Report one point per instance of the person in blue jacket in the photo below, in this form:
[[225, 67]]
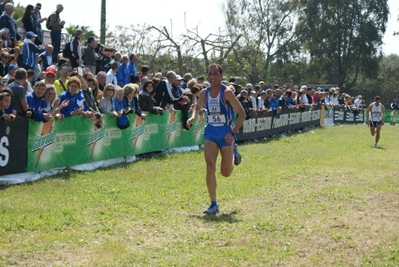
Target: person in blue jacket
[[30, 51], [37, 104], [76, 100]]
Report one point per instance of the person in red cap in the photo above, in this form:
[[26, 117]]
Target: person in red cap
[[50, 75]]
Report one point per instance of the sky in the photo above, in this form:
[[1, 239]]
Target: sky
[[208, 14]]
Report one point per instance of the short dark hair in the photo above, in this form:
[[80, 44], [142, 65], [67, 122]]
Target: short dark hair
[[131, 56], [114, 65], [20, 74], [91, 39], [214, 65], [30, 73]]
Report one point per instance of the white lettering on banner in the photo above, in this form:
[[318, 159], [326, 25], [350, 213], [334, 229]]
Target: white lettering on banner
[[339, 115], [249, 126], [264, 123], [294, 118], [306, 116], [4, 153], [282, 121]]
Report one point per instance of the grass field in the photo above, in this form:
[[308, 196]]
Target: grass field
[[325, 197]]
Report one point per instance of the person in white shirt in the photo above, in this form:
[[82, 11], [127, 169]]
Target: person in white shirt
[[375, 116], [111, 74]]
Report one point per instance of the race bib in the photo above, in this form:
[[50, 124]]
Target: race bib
[[217, 119]]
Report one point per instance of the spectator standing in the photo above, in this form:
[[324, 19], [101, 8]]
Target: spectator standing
[[76, 58], [111, 74], [10, 75], [107, 102], [61, 83], [56, 25], [47, 57], [30, 51], [30, 23], [18, 101], [37, 18], [75, 99], [4, 56], [101, 78], [90, 56], [3, 4], [163, 90], [394, 107], [132, 64], [146, 100], [6, 21], [123, 72], [36, 102]]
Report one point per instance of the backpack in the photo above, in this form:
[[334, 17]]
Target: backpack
[[67, 53], [48, 22]]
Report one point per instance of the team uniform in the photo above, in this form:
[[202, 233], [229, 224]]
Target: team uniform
[[220, 116], [375, 114]]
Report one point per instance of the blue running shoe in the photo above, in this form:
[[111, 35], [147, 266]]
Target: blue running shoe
[[212, 210], [237, 156]]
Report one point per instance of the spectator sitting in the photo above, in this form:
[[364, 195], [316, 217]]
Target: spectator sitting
[[146, 100]]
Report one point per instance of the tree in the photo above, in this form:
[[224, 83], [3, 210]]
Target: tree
[[267, 27], [344, 36]]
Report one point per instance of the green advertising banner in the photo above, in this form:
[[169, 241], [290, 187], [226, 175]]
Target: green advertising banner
[[76, 140], [391, 117]]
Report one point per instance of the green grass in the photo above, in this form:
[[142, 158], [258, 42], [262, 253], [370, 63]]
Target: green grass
[[325, 197]]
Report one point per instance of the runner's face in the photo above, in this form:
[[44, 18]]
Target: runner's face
[[214, 77]]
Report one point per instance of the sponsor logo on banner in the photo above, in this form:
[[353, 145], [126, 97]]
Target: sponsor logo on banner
[[199, 128], [282, 121], [45, 139], [171, 128], [137, 131], [257, 124], [94, 137], [4, 150]]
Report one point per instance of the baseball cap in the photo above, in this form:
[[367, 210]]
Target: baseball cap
[[51, 70], [30, 34], [178, 77], [12, 67]]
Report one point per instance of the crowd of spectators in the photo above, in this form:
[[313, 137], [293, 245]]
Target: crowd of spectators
[[37, 81]]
